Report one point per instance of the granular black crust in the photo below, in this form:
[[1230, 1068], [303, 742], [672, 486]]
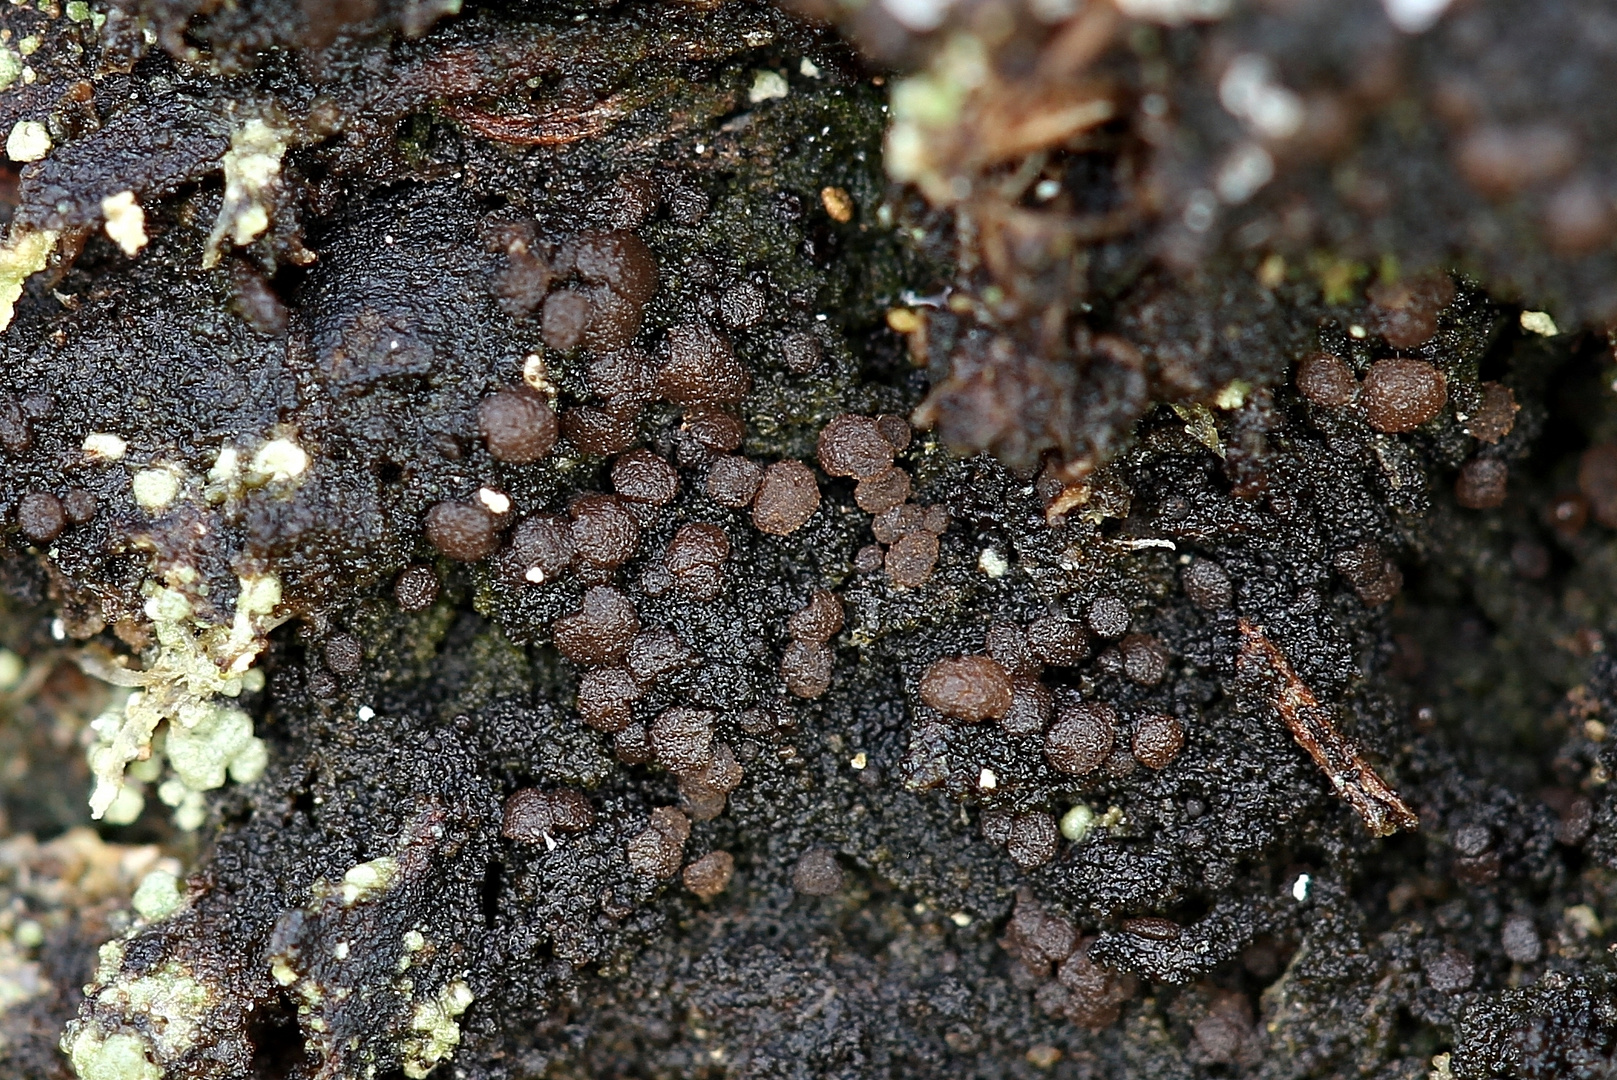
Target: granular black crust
[[967, 869]]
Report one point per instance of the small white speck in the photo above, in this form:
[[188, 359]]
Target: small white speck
[[341, 951], [1045, 190], [860, 760], [808, 68], [366, 712], [1247, 169], [819, 318], [1250, 91], [1356, 332], [992, 563], [1539, 322], [1139, 543], [498, 502], [1299, 888], [701, 148], [388, 240], [1200, 209], [534, 574], [987, 781], [960, 919], [58, 630]]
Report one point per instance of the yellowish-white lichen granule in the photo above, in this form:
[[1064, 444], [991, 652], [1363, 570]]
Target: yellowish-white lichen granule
[[252, 167], [1077, 822], [369, 879], [104, 446], [278, 461], [1539, 322], [154, 489], [24, 254], [126, 221], [226, 467], [12, 669], [497, 502], [768, 86], [28, 141], [436, 1029]]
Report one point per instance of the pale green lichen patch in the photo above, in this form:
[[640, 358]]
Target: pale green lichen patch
[[252, 168], [158, 896], [436, 1027], [126, 807], [167, 1010], [414, 943], [108, 1057], [768, 86], [196, 663], [78, 11], [171, 1000], [221, 742]]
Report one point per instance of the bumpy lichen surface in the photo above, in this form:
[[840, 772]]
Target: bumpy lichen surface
[[677, 540]]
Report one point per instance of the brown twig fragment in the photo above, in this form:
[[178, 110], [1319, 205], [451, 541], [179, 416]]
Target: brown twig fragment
[[1384, 813], [557, 127]]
